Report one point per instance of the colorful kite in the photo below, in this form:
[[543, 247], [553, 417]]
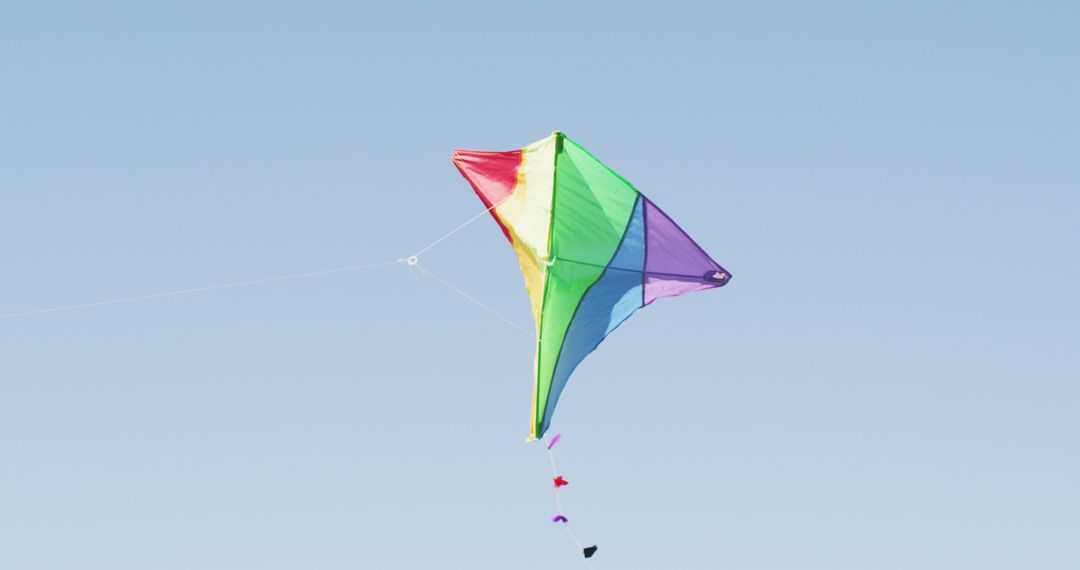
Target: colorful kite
[[593, 250]]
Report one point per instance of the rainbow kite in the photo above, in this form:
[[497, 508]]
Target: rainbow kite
[[593, 250]]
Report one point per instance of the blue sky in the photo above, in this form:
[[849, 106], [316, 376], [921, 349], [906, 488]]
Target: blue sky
[[889, 382]]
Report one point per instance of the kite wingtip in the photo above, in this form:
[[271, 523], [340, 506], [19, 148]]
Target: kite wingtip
[[718, 277]]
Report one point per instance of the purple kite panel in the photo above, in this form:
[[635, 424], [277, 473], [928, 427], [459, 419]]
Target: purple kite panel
[[674, 263]]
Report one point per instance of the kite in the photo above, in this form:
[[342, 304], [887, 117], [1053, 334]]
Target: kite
[[592, 248]]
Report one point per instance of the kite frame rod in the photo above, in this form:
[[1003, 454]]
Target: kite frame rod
[[656, 273]]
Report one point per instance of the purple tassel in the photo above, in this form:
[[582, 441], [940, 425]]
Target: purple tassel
[[559, 518], [554, 440]]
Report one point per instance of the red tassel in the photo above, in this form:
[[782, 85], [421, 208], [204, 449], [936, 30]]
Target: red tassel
[[560, 482]]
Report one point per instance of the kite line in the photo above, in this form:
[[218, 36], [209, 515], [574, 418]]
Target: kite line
[[457, 290], [412, 261], [190, 291], [416, 255]]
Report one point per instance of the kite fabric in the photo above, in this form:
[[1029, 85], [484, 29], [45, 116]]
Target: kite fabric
[[593, 250]]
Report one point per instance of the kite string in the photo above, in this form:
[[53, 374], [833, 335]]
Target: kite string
[[134, 298], [458, 290], [190, 291], [558, 500], [456, 230]]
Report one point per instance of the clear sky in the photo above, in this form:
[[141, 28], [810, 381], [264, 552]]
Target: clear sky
[[890, 381]]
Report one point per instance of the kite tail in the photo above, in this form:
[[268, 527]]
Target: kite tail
[[560, 517]]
